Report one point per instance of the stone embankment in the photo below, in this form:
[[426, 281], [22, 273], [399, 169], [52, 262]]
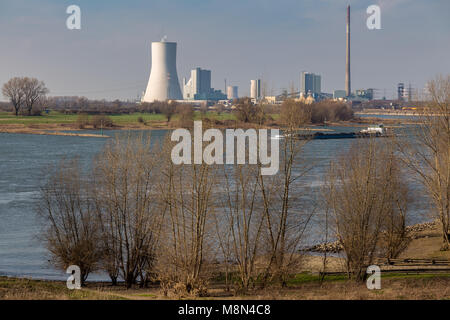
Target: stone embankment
[[336, 246]]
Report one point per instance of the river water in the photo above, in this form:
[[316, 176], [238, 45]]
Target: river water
[[25, 158]]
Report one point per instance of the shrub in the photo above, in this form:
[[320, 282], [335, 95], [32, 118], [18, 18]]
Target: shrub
[[247, 112], [101, 121], [82, 121]]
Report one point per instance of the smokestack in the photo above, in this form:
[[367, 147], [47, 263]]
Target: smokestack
[[348, 89]]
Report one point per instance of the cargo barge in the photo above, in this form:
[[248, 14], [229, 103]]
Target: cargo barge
[[371, 132]]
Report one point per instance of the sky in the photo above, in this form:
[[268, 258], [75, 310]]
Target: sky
[[239, 40]]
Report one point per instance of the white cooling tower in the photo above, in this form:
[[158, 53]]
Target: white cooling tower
[[163, 83]]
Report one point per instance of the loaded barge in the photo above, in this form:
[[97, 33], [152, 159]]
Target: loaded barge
[[371, 132]]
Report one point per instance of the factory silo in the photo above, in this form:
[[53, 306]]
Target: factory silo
[[163, 83], [253, 89]]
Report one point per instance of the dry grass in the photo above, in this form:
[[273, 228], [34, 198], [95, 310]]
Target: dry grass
[[303, 286], [426, 246], [396, 288], [410, 288], [19, 289]]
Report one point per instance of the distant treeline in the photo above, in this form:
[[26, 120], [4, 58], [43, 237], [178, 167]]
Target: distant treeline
[[245, 110]]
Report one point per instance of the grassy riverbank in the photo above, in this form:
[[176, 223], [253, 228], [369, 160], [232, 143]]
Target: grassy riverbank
[[56, 123], [304, 285], [55, 117]]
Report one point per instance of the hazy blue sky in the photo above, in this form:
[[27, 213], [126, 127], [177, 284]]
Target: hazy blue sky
[[237, 39]]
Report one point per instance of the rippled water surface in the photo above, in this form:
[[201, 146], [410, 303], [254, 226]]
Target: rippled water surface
[[24, 160]]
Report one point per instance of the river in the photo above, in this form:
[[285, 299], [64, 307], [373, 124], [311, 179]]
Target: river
[[25, 159]]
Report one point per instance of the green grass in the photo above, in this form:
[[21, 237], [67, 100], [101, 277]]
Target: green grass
[[146, 295], [133, 118], [307, 277], [414, 276], [52, 117], [55, 117]]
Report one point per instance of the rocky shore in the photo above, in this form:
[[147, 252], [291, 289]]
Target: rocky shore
[[336, 246]]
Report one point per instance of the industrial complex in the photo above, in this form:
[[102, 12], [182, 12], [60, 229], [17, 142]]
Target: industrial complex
[[164, 84]]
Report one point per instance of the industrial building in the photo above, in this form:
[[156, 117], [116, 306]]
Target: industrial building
[[311, 84], [232, 92], [198, 87], [255, 89], [163, 82], [400, 91], [339, 94], [404, 94], [365, 93]]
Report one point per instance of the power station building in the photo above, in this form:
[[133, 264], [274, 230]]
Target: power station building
[[365, 93], [255, 89], [232, 92], [163, 82], [198, 87], [311, 83]]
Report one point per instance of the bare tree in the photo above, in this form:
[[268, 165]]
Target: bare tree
[[168, 109], [245, 110], [294, 114], [285, 221], [186, 113], [186, 192], [72, 232], [13, 90], [82, 120], [364, 193], [261, 218], [429, 154], [204, 109], [128, 208], [394, 236], [241, 222], [220, 108], [34, 90]]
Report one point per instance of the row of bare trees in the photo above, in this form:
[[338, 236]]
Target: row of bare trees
[[146, 219], [367, 188], [141, 218], [318, 113], [427, 154], [24, 92]]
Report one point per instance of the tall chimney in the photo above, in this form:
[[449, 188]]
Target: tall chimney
[[348, 89]]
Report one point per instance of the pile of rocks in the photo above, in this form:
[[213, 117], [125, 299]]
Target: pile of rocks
[[333, 247], [336, 246], [426, 226]]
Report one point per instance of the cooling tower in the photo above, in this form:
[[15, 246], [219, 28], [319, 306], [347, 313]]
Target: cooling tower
[[163, 83]]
